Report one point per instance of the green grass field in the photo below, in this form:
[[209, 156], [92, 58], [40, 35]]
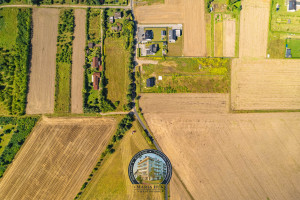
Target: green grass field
[[181, 75], [111, 180], [94, 26], [176, 49], [276, 45], [5, 137], [218, 39], [147, 2], [116, 70], [8, 27], [157, 34], [294, 45]]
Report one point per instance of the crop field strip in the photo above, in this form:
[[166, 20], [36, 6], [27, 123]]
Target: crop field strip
[[265, 85], [254, 28], [229, 40], [219, 155], [57, 158], [42, 73], [78, 61]]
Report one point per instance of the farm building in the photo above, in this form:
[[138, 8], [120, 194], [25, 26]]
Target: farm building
[[118, 15], [148, 35], [150, 82], [95, 62], [96, 78], [163, 33], [177, 32], [292, 5]]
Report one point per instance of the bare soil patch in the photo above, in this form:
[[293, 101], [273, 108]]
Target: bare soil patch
[[229, 31], [43, 64], [265, 84], [189, 12], [254, 28], [78, 61], [57, 158], [228, 156]]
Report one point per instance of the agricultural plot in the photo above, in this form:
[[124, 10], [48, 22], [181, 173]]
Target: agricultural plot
[[111, 180], [177, 75], [284, 28], [227, 156], [265, 85], [147, 2], [222, 27], [42, 73], [78, 61], [254, 28], [57, 158]]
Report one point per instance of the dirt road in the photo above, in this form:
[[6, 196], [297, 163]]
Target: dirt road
[[227, 156], [265, 84], [254, 28], [78, 61], [229, 31], [188, 12], [57, 158], [43, 64]]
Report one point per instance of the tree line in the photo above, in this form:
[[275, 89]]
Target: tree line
[[14, 65], [24, 126]]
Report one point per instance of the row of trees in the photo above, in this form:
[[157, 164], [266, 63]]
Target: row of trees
[[14, 66], [87, 2], [124, 125], [24, 126]]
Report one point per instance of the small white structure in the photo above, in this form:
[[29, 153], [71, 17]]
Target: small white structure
[[178, 32], [159, 78]]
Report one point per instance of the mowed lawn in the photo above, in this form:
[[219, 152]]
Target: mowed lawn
[[8, 27], [111, 180], [116, 70], [294, 45]]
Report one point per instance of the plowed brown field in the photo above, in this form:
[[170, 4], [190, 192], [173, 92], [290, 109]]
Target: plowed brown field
[[265, 85], [229, 31], [78, 61], [254, 28], [57, 158], [226, 156], [42, 76]]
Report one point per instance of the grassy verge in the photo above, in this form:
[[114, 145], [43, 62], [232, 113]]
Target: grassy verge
[[208, 34], [218, 39], [20, 129], [181, 75], [64, 61]]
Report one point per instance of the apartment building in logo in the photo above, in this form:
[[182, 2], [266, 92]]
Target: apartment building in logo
[[151, 169]]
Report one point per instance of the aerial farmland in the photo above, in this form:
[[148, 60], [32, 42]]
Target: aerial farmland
[[213, 84]]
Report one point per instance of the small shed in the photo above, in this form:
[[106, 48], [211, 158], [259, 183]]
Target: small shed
[[91, 45], [288, 53], [150, 82], [111, 19], [163, 33]]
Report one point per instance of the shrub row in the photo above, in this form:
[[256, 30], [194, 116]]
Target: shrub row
[[24, 127]]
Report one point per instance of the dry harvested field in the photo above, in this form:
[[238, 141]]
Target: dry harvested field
[[227, 156], [189, 12], [57, 158], [254, 28], [78, 61], [42, 76], [265, 85], [229, 31]]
